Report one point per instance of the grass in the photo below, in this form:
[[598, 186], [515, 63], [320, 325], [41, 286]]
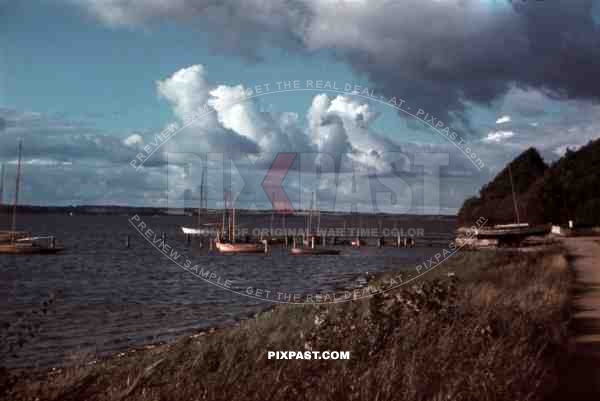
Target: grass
[[493, 331]]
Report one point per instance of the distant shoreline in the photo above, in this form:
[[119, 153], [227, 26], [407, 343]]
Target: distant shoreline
[[161, 211]]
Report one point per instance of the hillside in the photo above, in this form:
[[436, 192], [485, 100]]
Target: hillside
[[495, 201], [569, 189]]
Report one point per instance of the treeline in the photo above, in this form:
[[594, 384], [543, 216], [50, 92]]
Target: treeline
[[569, 189]]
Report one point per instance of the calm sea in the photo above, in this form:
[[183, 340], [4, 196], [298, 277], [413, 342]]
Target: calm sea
[[106, 297]]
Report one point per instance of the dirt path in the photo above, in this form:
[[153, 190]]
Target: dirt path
[[581, 378]]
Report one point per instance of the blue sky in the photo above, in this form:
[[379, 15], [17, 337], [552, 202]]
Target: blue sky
[[58, 60], [80, 83]]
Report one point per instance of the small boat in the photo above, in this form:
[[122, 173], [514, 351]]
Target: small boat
[[228, 248], [501, 235], [199, 230], [313, 251], [309, 248], [20, 242]]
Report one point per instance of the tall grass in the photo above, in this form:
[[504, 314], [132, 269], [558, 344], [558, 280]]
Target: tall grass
[[493, 331]]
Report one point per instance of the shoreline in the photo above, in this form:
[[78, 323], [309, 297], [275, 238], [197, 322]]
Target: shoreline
[[426, 310]]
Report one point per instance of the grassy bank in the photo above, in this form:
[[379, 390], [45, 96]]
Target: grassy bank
[[493, 331]]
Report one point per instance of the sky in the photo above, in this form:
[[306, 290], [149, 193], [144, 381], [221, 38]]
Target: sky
[[90, 85]]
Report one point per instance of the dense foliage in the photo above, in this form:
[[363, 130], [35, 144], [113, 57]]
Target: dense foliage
[[496, 200], [567, 190]]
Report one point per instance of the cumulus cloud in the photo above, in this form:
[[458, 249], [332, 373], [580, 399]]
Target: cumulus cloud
[[340, 127], [96, 163]]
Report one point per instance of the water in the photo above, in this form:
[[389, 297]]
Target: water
[[108, 298]]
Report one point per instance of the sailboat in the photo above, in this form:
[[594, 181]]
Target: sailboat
[[20, 242], [309, 248], [225, 242], [500, 235], [200, 228]]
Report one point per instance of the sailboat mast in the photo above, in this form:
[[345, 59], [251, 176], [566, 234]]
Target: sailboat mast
[[201, 198], [512, 186], [318, 212], [2, 185], [310, 215], [17, 187], [2, 190], [233, 224]]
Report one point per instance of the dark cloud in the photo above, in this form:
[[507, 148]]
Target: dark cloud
[[438, 55]]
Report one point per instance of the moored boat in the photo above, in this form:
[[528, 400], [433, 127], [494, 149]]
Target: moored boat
[[27, 248], [21, 242], [225, 247], [198, 230]]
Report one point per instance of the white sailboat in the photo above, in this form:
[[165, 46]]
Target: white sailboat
[[200, 228]]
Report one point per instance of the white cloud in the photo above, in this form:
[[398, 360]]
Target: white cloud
[[133, 140], [503, 119], [499, 136], [561, 150]]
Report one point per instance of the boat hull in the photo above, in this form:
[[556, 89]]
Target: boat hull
[[239, 248], [193, 231], [27, 250]]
